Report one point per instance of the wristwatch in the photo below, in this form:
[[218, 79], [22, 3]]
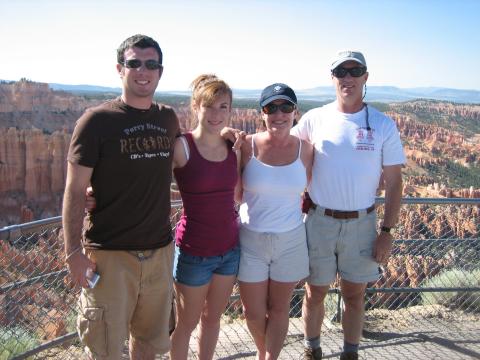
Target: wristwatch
[[386, 229]]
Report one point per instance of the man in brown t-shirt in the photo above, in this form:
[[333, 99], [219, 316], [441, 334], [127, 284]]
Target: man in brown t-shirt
[[123, 149]]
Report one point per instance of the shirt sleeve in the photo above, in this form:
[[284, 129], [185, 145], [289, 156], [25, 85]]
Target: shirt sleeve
[[302, 129], [85, 143], [392, 152]]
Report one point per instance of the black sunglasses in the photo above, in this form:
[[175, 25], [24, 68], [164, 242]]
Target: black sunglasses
[[272, 108], [341, 72], [149, 64]]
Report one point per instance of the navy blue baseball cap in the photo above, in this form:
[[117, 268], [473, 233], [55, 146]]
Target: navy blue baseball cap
[[277, 91]]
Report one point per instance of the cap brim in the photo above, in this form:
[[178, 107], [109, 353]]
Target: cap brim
[[277, 97], [340, 62]]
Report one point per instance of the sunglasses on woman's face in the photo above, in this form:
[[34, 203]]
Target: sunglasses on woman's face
[[272, 108], [341, 72]]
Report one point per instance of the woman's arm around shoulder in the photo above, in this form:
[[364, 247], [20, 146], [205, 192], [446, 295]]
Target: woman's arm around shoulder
[[238, 187], [243, 156], [246, 151]]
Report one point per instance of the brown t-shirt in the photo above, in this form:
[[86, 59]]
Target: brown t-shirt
[[130, 151]]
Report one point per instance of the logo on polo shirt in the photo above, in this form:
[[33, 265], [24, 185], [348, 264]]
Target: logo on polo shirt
[[365, 139]]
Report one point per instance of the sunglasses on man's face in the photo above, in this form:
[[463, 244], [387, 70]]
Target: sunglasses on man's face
[[149, 64], [284, 108], [341, 72]]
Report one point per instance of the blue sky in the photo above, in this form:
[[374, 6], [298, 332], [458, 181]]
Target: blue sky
[[250, 44]]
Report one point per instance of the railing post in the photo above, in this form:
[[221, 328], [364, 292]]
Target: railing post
[[338, 314]]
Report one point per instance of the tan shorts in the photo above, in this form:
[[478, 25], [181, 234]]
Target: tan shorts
[[341, 246], [282, 257], [132, 297]]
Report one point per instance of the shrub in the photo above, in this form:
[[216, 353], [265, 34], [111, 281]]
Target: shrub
[[15, 341], [71, 321], [454, 299]]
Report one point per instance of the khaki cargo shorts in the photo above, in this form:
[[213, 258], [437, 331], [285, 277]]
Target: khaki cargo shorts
[[133, 297]]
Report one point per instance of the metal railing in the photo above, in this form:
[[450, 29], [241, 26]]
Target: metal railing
[[431, 284]]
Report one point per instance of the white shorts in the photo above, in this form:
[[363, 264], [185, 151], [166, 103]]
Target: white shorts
[[343, 246], [282, 257]]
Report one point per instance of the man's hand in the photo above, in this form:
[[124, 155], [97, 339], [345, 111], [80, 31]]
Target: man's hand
[[78, 264], [382, 247], [235, 136], [90, 202]]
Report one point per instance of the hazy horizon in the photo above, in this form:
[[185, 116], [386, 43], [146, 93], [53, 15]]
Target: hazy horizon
[[187, 90]]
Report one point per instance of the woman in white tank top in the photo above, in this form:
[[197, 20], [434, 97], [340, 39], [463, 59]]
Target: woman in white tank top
[[276, 167]]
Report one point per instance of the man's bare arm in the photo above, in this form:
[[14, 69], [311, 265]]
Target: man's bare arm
[[73, 212], [393, 195]]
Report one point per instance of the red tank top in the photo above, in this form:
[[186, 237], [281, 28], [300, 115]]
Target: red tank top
[[209, 225]]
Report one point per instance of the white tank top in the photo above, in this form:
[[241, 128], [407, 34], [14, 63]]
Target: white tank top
[[272, 194]]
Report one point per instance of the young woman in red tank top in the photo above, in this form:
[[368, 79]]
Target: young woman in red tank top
[[207, 252]]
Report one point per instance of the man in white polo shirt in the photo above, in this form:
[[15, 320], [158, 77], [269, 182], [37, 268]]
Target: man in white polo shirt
[[354, 143]]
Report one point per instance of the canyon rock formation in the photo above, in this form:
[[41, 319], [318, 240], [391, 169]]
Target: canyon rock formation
[[36, 123], [35, 127]]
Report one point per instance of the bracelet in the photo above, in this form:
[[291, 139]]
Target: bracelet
[[79, 247]]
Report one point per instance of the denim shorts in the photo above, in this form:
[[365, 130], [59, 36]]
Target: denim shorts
[[192, 270]]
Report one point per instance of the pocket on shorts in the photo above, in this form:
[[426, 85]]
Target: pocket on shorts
[[367, 233], [314, 226], [92, 329]]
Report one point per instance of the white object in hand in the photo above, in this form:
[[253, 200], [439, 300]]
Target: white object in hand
[[92, 278]]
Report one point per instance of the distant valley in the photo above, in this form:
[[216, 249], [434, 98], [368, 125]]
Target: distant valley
[[441, 141]]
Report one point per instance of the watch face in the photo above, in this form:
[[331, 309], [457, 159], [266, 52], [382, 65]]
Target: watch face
[[386, 229]]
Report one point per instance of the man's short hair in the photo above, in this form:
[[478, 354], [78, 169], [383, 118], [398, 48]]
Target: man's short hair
[[140, 41]]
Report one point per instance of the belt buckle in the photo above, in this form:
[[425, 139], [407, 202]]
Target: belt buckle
[[142, 255]]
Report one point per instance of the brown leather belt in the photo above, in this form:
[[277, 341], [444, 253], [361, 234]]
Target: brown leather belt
[[338, 214]]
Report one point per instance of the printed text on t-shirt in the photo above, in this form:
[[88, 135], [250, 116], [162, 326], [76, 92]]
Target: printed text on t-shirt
[[143, 146], [365, 139]]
